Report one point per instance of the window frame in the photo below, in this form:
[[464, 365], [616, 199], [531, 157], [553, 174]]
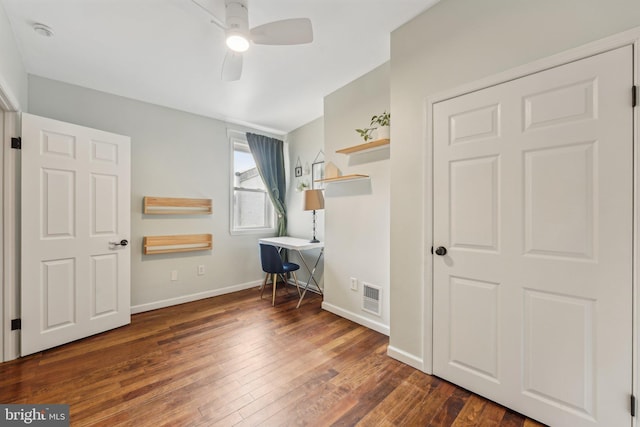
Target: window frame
[[240, 138]]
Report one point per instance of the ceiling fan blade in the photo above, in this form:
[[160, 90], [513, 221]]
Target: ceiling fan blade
[[284, 32], [232, 66]]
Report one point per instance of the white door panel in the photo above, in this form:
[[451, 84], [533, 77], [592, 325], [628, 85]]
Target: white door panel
[[75, 202], [533, 201]]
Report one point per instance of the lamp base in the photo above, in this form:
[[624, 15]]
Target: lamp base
[[313, 239]]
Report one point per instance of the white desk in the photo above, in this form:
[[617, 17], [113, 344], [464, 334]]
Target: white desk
[[299, 245]]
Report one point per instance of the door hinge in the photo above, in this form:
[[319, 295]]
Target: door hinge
[[16, 143], [634, 96], [16, 324], [633, 405]]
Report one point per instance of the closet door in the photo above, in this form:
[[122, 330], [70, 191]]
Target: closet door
[[533, 203]]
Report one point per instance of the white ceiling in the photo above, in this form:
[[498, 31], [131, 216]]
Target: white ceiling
[[167, 52]]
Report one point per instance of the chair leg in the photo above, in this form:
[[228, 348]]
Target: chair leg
[[295, 278], [264, 285], [274, 278]]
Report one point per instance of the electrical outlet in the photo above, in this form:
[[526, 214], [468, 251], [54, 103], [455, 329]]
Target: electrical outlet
[[201, 270], [174, 275], [354, 284]]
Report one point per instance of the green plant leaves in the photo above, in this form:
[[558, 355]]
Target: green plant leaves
[[383, 119], [365, 133]]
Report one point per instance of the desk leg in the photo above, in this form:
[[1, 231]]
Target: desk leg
[[311, 272]]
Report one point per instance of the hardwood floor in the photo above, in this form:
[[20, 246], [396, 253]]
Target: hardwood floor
[[235, 360]]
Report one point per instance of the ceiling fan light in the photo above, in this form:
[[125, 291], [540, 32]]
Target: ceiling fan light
[[237, 25], [237, 42]]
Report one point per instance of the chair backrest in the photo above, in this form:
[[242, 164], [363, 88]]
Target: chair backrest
[[271, 261]]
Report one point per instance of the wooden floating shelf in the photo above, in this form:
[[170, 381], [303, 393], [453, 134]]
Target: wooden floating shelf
[[177, 243], [343, 178], [176, 206], [369, 146]]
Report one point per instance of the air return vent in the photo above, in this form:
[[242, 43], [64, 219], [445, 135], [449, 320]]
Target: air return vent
[[371, 297]]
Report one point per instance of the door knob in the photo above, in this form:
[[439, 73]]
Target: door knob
[[122, 242], [441, 251]]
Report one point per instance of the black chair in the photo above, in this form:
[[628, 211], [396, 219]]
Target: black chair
[[273, 265]]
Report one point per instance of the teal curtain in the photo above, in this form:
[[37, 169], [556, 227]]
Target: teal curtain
[[269, 156]]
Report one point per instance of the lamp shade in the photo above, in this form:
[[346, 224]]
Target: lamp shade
[[313, 200]]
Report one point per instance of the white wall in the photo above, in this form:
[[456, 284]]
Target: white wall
[[174, 154], [13, 78], [304, 143], [453, 43], [357, 213]]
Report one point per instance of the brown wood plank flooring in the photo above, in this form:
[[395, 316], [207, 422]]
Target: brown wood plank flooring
[[236, 360]]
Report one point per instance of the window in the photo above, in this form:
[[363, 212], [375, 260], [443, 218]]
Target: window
[[251, 207]]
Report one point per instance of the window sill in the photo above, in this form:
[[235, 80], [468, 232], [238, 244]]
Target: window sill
[[253, 232]]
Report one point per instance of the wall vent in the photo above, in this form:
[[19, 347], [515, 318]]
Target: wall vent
[[371, 297]]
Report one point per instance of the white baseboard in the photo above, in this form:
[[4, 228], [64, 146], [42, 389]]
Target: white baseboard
[[361, 320], [193, 297], [406, 358]]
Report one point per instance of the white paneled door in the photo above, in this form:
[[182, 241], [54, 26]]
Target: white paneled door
[[532, 303], [75, 278]]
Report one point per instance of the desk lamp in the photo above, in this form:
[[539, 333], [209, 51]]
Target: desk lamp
[[313, 200]]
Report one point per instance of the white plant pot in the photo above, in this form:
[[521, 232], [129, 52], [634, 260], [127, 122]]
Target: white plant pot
[[383, 132]]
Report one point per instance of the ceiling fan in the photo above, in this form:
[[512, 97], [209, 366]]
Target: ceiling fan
[[238, 34]]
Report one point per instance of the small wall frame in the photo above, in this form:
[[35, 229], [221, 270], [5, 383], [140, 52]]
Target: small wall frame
[[317, 173]]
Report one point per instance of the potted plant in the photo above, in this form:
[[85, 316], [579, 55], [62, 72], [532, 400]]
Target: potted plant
[[382, 123]]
